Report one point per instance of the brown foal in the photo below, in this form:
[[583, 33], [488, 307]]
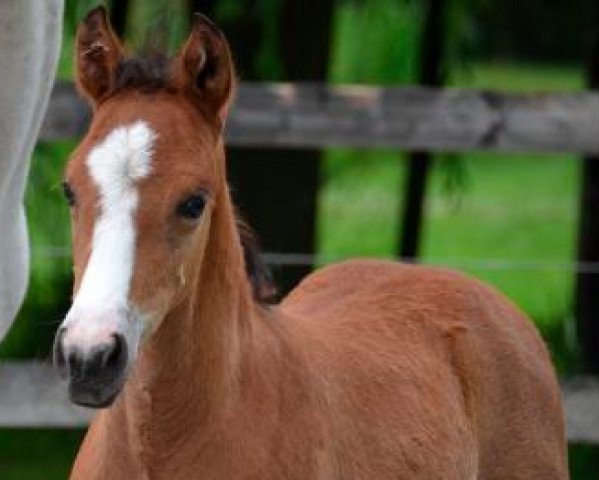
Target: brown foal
[[367, 370]]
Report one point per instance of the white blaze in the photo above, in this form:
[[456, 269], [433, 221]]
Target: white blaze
[[115, 165]]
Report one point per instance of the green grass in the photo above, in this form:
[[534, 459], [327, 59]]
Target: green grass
[[512, 77]]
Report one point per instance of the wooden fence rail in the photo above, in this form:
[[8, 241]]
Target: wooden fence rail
[[410, 118], [32, 396]]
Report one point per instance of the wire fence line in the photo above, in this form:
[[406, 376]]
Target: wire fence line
[[482, 264]]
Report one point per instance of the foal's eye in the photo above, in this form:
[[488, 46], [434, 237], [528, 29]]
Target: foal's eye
[[192, 207], [69, 194]]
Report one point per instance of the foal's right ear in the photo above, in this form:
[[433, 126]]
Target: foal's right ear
[[97, 56]]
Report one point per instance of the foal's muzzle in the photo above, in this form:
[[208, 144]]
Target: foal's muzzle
[[96, 373]]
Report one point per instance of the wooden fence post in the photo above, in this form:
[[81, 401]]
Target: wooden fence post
[[282, 202], [431, 74], [586, 299]]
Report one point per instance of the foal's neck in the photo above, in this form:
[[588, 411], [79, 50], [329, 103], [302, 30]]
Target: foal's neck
[[188, 375]]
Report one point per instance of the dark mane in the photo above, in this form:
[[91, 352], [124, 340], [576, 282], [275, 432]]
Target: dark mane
[[146, 74], [263, 287]]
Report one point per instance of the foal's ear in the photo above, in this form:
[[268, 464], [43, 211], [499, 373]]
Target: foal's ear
[[205, 69], [97, 56]]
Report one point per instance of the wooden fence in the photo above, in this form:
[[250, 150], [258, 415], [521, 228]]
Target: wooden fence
[[413, 118], [318, 116]]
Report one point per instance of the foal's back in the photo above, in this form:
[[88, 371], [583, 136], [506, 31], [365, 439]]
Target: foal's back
[[430, 374]]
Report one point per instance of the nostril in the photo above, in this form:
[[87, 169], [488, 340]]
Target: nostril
[[74, 363], [92, 368], [114, 358], [58, 354]]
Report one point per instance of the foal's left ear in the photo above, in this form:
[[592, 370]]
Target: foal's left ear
[[205, 69]]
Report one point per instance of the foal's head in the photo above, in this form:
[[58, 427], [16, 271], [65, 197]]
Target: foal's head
[[141, 186]]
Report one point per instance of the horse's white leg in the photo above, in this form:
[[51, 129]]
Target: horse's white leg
[[30, 33]]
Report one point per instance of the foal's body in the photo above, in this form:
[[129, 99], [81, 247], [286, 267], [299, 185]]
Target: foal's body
[[368, 370]]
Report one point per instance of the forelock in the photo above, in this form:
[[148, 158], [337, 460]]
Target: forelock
[[145, 74]]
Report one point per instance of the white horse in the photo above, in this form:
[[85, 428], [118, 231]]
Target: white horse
[[30, 34]]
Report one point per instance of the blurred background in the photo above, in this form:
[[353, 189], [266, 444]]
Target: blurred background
[[510, 219]]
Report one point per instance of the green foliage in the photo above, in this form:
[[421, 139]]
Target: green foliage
[[583, 461], [263, 16], [376, 42], [158, 27], [75, 10], [37, 454], [268, 64], [461, 34], [536, 30]]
